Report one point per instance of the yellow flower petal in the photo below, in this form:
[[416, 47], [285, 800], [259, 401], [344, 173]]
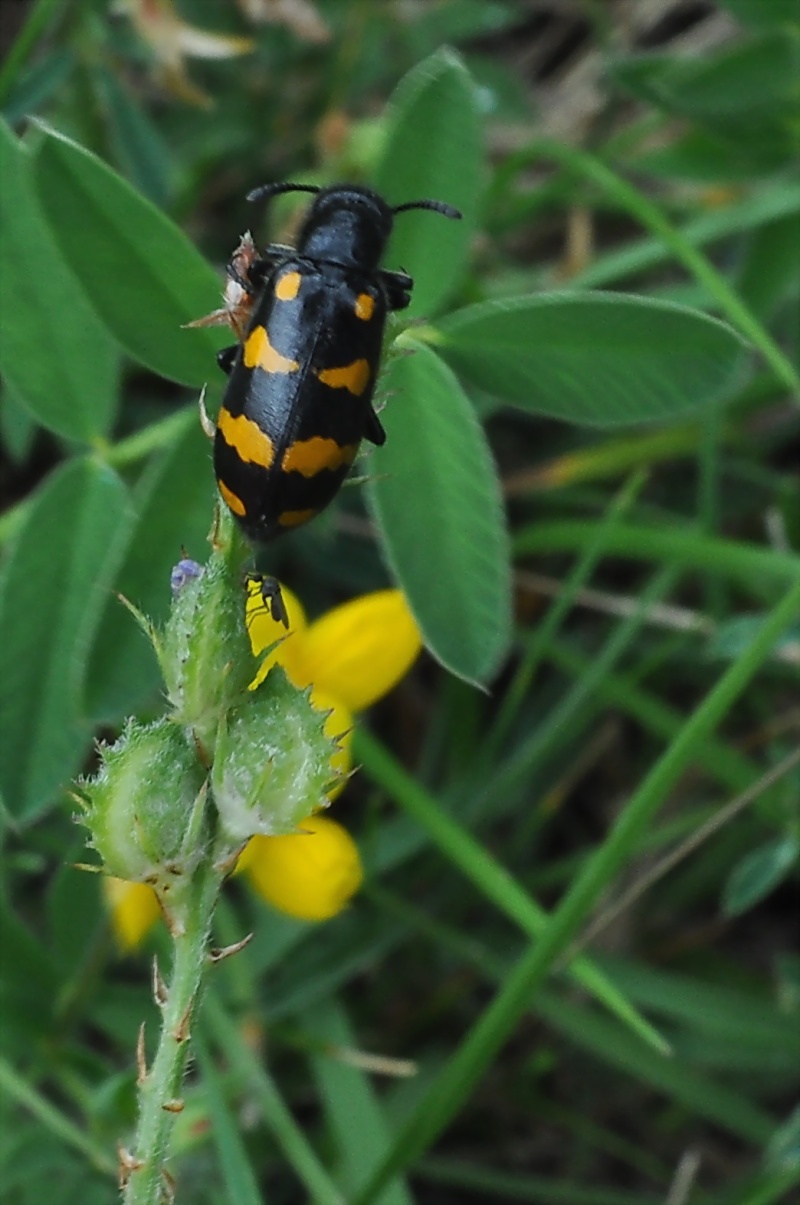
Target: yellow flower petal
[[311, 874], [134, 909], [263, 631], [359, 651]]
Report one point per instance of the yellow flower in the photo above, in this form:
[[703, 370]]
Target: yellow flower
[[134, 909], [310, 874], [350, 657], [356, 653]]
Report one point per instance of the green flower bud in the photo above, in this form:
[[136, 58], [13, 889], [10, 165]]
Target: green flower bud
[[146, 806], [204, 650], [272, 762]]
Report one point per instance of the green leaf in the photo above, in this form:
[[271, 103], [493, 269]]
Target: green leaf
[[783, 1152], [435, 24], [237, 1172], [355, 1118], [54, 352], [769, 275], [762, 570], [751, 75], [174, 503], [140, 272], [764, 12], [27, 986], [53, 587], [736, 635], [50, 1172], [597, 358], [704, 157], [17, 427], [524, 981], [137, 143], [758, 874], [38, 84], [254, 1077], [734, 1018], [780, 199], [75, 914], [685, 1085], [435, 494], [433, 150], [429, 816], [787, 967], [28, 34]]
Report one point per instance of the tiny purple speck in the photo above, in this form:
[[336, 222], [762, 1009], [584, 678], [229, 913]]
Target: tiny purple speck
[[185, 571]]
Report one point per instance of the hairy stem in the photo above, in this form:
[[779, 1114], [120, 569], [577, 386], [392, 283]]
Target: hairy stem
[[144, 1168]]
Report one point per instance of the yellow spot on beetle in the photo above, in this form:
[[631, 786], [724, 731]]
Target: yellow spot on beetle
[[232, 500], [259, 352], [364, 307], [352, 377], [288, 286], [293, 518], [310, 456], [246, 438]]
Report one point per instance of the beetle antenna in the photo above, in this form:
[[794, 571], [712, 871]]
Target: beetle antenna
[[442, 207], [273, 190]]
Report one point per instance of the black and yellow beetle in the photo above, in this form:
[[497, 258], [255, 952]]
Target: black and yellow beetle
[[299, 395]]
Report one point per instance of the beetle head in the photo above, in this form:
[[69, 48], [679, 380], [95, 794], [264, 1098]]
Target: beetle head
[[347, 224]]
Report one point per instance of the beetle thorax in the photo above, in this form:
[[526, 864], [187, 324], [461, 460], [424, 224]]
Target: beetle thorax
[[347, 226]]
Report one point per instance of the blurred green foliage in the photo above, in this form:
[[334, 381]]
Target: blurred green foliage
[[621, 297]]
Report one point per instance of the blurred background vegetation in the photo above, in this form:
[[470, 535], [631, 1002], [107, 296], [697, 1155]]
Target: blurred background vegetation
[[644, 146]]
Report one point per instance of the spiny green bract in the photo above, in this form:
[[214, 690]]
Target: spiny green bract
[[204, 652], [145, 807], [272, 761]]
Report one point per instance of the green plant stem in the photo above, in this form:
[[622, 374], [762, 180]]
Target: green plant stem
[[531, 749], [151, 438], [758, 208], [774, 1189], [17, 1088], [39, 17], [162, 1084], [471, 1059], [722, 761], [610, 459], [490, 877], [278, 1118], [581, 572], [762, 569], [128, 451]]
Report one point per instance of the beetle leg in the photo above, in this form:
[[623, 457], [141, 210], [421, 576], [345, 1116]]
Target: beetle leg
[[257, 274], [278, 251], [226, 357], [398, 287], [399, 279], [233, 272], [373, 429], [259, 269]]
